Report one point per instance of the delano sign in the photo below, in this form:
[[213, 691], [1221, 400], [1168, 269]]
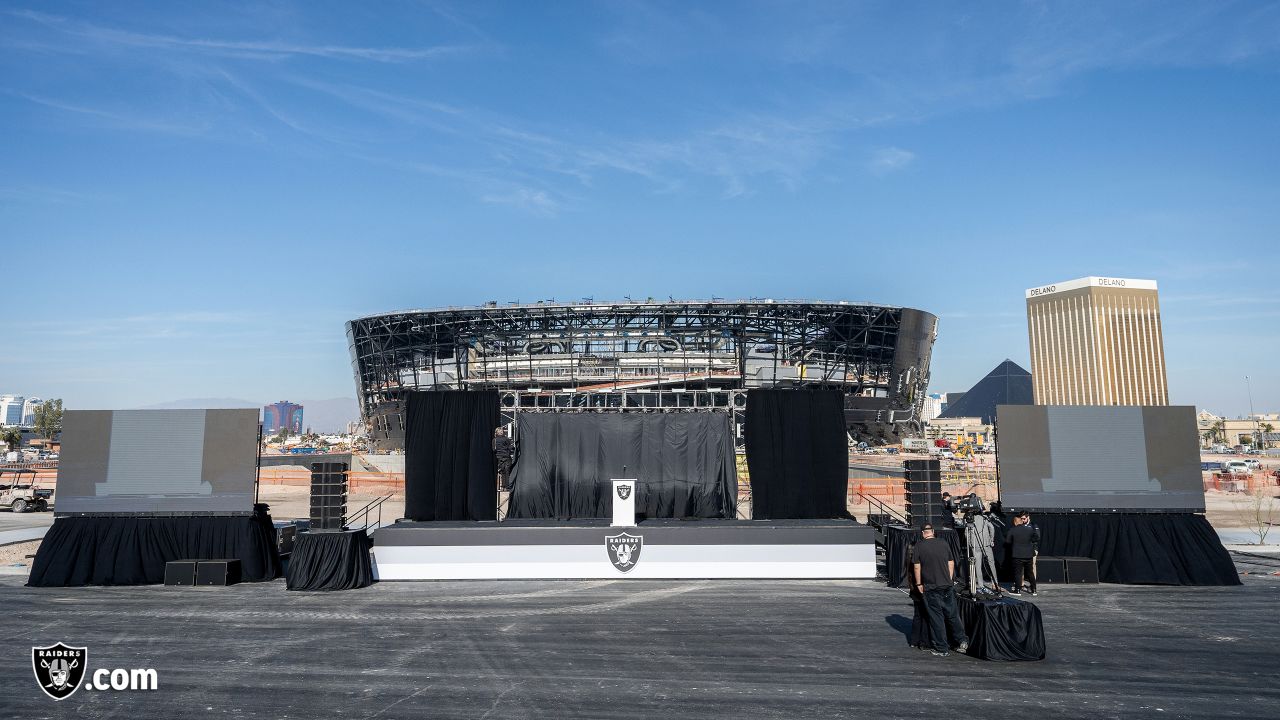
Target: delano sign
[[1101, 282]]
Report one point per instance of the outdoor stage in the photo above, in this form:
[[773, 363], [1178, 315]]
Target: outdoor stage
[[667, 549]]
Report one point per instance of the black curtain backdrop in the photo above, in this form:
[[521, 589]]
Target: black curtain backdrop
[[449, 471], [1004, 629], [798, 454], [134, 550], [330, 561], [1140, 548], [566, 462], [898, 540]]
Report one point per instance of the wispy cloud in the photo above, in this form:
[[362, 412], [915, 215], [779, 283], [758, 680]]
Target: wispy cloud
[[45, 195], [890, 159], [737, 144], [118, 120], [536, 201], [245, 49], [147, 326]]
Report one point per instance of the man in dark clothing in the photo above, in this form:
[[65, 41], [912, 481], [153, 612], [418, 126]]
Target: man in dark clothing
[[1023, 540], [504, 451], [919, 636], [933, 569]]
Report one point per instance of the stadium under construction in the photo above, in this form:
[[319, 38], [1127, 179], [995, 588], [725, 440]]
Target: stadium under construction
[[673, 356]]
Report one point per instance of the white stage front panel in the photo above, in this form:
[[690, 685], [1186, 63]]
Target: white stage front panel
[[526, 562]]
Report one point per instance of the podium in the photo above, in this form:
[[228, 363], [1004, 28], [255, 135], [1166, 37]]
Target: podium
[[624, 503]]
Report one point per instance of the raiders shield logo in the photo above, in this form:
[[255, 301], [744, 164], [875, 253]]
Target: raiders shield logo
[[624, 492], [624, 550], [59, 669]]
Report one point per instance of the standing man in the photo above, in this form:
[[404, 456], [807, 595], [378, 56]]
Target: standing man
[[504, 452], [934, 569], [1023, 540]]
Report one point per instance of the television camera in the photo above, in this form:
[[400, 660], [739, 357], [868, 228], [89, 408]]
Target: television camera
[[979, 530]]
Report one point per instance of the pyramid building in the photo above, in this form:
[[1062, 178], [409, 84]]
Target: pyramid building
[[1008, 384]]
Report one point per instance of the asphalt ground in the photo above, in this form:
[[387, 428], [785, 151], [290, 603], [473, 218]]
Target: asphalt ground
[[635, 649]]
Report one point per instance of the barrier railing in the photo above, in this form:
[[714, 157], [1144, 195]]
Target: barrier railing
[[365, 514], [877, 509]]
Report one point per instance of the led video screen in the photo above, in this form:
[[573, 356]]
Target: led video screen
[[1057, 457], [157, 461]]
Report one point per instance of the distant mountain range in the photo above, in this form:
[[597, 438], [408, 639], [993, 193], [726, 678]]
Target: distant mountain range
[[322, 416]]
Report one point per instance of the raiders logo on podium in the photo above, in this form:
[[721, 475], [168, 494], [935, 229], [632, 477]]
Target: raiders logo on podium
[[624, 550], [624, 491]]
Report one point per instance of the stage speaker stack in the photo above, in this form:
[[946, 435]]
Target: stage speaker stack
[[328, 495], [1050, 569], [1081, 570], [180, 572], [924, 493], [218, 572]]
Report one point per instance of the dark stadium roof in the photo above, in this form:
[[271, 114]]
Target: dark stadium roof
[[607, 304], [1008, 384]]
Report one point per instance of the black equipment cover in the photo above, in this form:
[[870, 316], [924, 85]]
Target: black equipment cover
[[330, 561], [1004, 629], [1140, 548], [116, 550]]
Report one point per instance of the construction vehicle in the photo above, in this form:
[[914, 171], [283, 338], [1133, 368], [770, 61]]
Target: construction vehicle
[[18, 491]]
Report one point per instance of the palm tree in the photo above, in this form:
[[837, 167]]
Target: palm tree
[[12, 437], [1219, 430]]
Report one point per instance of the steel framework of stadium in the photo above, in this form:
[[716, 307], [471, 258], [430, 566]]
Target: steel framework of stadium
[[648, 356]]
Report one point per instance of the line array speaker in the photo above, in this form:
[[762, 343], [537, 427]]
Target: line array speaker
[[328, 495], [924, 493]]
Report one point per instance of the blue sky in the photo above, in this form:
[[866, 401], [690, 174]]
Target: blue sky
[[195, 196]]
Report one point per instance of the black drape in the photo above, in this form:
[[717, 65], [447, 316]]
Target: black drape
[[566, 462], [449, 471], [798, 453], [330, 561], [134, 550], [1140, 548], [897, 541], [1004, 629]]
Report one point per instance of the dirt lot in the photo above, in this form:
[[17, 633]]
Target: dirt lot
[[16, 554], [289, 502]]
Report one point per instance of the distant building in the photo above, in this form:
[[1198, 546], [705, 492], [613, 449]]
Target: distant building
[[932, 406], [1215, 430], [1097, 341], [1007, 384], [11, 409], [283, 414], [958, 429], [29, 411]]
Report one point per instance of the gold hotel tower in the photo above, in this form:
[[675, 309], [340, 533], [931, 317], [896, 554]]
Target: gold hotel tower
[[1097, 341]]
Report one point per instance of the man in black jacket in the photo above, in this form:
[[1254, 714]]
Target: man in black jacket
[[1023, 541]]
